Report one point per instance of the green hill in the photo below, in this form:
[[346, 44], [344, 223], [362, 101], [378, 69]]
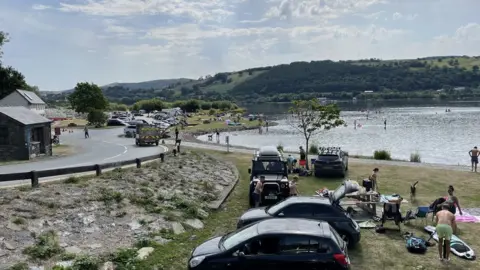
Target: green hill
[[431, 77]]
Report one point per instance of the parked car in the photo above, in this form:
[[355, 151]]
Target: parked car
[[115, 122], [274, 245], [332, 161], [317, 208]]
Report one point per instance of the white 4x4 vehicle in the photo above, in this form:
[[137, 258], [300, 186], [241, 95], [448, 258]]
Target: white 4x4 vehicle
[[132, 129]]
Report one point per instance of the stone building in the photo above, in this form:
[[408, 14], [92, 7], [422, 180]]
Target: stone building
[[24, 134]]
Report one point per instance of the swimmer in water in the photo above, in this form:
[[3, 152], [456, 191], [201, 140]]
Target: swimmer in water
[[474, 153]]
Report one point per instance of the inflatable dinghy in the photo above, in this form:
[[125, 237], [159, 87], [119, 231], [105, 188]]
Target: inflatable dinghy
[[457, 246]]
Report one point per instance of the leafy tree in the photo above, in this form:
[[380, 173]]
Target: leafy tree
[[3, 40], [87, 97], [475, 68], [150, 105], [10, 80], [309, 118], [118, 107], [97, 118]]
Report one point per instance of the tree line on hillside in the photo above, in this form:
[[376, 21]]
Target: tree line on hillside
[[321, 77], [10, 78]]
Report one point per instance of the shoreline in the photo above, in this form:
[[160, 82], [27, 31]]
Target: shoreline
[[196, 133], [365, 159]]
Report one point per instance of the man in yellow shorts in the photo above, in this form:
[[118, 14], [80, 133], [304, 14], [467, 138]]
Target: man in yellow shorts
[[446, 225]]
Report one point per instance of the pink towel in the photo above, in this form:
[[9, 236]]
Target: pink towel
[[466, 218]]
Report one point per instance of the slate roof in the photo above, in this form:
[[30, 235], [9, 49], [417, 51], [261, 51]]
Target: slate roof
[[23, 115], [31, 97]]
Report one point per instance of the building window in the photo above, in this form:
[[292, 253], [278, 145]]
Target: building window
[[4, 137]]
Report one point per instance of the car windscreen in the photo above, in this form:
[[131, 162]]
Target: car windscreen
[[337, 238], [133, 127], [268, 167], [276, 207], [234, 239]]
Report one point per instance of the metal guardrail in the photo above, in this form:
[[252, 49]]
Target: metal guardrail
[[35, 175]]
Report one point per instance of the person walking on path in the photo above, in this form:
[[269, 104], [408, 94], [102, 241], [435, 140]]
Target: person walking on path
[[176, 133], [474, 153], [86, 132], [257, 193], [446, 227]]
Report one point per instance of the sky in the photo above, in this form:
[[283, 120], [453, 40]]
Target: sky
[[56, 44]]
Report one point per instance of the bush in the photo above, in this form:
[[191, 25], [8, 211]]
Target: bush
[[313, 149], [415, 157], [85, 263], [71, 125], [382, 155], [45, 247]]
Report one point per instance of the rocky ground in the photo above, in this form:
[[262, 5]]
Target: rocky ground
[[99, 215]]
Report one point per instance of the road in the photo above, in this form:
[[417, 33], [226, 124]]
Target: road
[[103, 146]]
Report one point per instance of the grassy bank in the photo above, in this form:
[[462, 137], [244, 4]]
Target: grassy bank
[[376, 251], [63, 150]]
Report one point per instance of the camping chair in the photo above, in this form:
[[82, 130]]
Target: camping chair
[[422, 213], [391, 211]]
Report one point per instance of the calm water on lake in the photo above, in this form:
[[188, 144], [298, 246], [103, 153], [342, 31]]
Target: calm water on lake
[[426, 128]]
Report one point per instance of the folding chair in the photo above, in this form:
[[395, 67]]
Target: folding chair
[[422, 213]]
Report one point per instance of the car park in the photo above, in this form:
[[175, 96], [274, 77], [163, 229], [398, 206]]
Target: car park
[[331, 161], [274, 245], [316, 208], [269, 163], [130, 130]]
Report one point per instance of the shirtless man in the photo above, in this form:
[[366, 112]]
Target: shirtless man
[[446, 226], [257, 193], [474, 153]]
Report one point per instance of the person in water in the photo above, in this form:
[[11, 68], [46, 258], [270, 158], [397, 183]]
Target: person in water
[[474, 153], [446, 227], [452, 201]]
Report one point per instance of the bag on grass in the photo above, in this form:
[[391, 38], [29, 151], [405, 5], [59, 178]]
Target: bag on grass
[[416, 245]]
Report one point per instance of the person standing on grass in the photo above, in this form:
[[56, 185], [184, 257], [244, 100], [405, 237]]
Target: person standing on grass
[[257, 193], [293, 186], [373, 179], [446, 227], [474, 153], [176, 134], [86, 132]]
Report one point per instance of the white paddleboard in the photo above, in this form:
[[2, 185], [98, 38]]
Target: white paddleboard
[[457, 246]]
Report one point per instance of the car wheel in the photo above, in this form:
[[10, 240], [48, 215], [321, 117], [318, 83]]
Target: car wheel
[[348, 239], [250, 201]]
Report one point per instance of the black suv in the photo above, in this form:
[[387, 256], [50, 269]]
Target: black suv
[[268, 162], [317, 208], [331, 161], [272, 244]]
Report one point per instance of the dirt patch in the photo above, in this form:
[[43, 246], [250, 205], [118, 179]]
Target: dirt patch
[[102, 214], [63, 150]]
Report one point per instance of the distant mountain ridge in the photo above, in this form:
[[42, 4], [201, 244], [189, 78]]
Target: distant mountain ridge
[[154, 84]]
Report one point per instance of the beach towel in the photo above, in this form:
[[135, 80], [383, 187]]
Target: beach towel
[[467, 216]]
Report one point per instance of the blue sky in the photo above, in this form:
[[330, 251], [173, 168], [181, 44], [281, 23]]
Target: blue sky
[[56, 44]]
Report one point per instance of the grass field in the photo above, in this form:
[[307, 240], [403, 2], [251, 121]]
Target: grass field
[[375, 251], [234, 79], [220, 125], [78, 122], [63, 150]]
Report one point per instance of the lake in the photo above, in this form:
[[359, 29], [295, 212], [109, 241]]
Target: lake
[[412, 126]]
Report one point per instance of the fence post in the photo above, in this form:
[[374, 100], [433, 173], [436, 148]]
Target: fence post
[[98, 170], [138, 162], [162, 157], [34, 178]]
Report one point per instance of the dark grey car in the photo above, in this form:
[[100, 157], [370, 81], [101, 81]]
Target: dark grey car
[[331, 163], [317, 208]]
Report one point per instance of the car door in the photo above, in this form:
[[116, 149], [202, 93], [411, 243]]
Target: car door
[[305, 252], [300, 210], [338, 220], [258, 255]]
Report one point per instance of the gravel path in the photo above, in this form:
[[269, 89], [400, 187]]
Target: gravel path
[[247, 150]]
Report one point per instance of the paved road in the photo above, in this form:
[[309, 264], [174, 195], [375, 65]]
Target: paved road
[[103, 146], [246, 150]]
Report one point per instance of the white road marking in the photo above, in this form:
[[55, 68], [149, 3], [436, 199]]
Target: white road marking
[[124, 152]]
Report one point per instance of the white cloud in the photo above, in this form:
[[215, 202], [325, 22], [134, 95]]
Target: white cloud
[[40, 7], [409, 17], [396, 16], [200, 10]]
